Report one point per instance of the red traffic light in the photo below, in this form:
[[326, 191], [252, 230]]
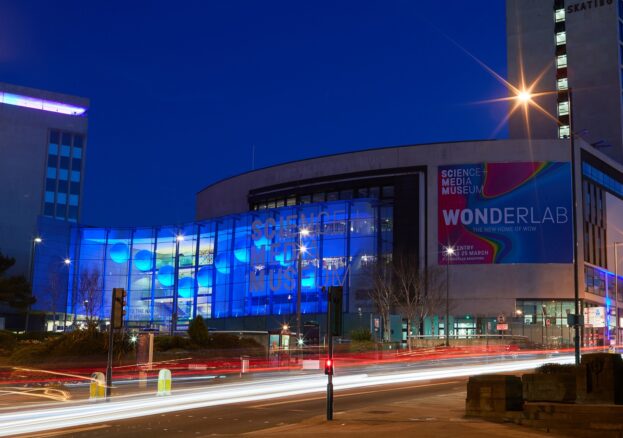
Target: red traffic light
[[328, 367]]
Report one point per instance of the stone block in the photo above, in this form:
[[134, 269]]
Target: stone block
[[600, 379], [549, 387], [494, 393]]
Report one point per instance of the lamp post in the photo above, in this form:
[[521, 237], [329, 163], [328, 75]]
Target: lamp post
[[179, 238], [519, 315], [616, 293], [67, 263], [525, 97], [449, 252], [37, 240], [303, 232]]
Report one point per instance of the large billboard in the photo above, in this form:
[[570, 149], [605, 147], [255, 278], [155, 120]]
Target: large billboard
[[493, 213]]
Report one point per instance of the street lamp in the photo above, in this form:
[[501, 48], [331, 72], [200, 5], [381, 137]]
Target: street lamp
[[525, 98], [303, 232], [449, 252], [178, 239], [616, 293], [67, 262], [37, 240]]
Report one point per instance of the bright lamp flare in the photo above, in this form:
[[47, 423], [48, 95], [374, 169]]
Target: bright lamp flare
[[524, 96], [450, 251]]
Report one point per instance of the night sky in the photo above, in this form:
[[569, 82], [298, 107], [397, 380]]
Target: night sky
[[181, 91]]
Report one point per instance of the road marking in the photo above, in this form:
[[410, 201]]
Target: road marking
[[263, 405], [69, 431]]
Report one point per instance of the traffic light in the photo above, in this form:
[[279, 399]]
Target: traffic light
[[335, 295], [118, 307], [328, 367]]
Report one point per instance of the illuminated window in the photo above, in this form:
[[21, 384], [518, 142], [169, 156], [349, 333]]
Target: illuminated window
[[561, 38], [73, 199], [63, 174], [75, 176], [49, 197], [559, 15], [563, 108], [562, 84], [51, 172], [564, 131], [561, 61]]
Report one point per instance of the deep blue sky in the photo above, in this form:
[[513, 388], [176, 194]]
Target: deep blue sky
[[181, 90]]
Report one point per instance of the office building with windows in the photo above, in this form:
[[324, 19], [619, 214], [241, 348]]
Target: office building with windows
[[572, 52], [43, 138]]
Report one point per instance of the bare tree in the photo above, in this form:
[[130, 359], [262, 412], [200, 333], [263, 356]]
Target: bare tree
[[90, 293], [434, 298], [382, 293], [420, 292], [410, 289]]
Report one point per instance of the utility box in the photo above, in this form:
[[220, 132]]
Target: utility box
[[493, 393], [600, 379]]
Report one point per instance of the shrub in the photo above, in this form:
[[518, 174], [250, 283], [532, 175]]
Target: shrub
[[29, 354], [165, 343], [8, 341], [556, 368], [362, 335], [198, 331]]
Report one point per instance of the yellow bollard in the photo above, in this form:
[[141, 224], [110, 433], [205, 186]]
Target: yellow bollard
[[164, 382], [97, 387]]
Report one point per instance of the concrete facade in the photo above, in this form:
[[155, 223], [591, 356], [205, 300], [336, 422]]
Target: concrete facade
[[24, 134], [475, 289]]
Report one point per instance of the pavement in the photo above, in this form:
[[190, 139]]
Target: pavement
[[439, 415]]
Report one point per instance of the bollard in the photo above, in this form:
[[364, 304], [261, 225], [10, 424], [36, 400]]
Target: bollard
[[244, 365], [97, 387], [142, 379], [164, 382]]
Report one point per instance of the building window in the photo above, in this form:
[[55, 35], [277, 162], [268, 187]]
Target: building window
[[63, 174], [563, 108], [291, 201], [49, 197], [562, 84], [51, 172], [564, 131], [388, 192], [559, 15], [48, 209], [561, 61], [73, 200], [561, 38]]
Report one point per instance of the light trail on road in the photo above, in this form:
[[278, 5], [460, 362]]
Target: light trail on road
[[74, 414]]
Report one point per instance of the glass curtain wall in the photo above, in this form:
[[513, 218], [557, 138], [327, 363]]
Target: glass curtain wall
[[245, 265]]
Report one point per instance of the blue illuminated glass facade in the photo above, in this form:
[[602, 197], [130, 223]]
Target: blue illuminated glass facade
[[236, 266]]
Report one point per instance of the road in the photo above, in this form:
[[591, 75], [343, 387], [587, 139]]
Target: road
[[261, 415], [222, 404]]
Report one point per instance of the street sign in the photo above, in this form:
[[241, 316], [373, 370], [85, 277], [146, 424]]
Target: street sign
[[501, 318], [548, 322], [502, 327]]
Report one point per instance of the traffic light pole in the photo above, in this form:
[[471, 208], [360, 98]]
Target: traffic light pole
[[117, 312], [111, 338], [330, 348]]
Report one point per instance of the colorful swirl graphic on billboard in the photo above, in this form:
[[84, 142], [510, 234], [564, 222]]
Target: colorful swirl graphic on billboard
[[505, 213]]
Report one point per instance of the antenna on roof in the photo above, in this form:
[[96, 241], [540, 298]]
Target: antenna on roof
[[253, 157]]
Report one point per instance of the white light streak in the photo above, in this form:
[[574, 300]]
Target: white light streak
[[83, 413]]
